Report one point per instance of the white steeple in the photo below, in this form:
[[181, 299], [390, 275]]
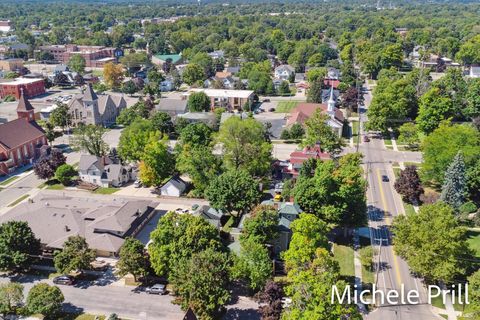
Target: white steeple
[[331, 104]]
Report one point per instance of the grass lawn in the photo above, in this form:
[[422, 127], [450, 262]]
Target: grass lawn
[[56, 186], [106, 190], [7, 181], [355, 128], [408, 208], [474, 240], [97, 73], [396, 171], [228, 225], [344, 256], [14, 203], [286, 106]]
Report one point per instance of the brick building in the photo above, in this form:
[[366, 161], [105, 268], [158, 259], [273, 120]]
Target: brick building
[[95, 56], [11, 64], [21, 140], [229, 99], [31, 87]]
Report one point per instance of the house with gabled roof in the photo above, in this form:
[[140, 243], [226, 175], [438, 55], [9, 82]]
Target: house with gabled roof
[[104, 172]]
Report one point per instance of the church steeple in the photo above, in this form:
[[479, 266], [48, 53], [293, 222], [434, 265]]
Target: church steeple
[[331, 104], [24, 107]]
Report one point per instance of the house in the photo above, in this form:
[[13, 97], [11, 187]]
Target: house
[[6, 26], [284, 72], [303, 111], [95, 56], [88, 108], [172, 106], [47, 111], [30, 87], [22, 141], [474, 72], [174, 187], [209, 118], [229, 99], [232, 70], [162, 59], [333, 74], [213, 216], [298, 157], [326, 95], [103, 171], [103, 222], [300, 77], [167, 85], [217, 54]]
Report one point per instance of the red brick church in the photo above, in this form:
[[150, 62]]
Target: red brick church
[[21, 140]]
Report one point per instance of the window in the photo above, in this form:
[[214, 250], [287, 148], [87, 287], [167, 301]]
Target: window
[[19, 154], [25, 151]]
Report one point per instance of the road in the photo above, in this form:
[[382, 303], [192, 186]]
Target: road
[[383, 205]]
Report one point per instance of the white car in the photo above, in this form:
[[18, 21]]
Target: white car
[[181, 211], [279, 187], [137, 184]]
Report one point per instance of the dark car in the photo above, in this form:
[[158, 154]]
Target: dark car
[[266, 100], [366, 139], [156, 289], [271, 109], [385, 178], [64, 279]]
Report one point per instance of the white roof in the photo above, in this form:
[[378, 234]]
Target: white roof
[[49, 109], [19, 81], [221, 93]]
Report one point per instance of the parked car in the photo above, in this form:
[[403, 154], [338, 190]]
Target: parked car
[[277, 197], [64, 279], [156, 289], [137, 184], [279, 187], [385, 178], [366, 139], [181, 211], [266, 100], [271, 109]]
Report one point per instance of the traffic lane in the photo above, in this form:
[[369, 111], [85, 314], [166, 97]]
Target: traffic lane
[[417, 312], [18, 188]]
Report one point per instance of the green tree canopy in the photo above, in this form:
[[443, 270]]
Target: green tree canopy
[[65, 173], [11, 296], [198, 102], [133, 258], [193, 73], [317, 131], [17, 245], [262, 225], [77, 63], [89, 138], [159, 160], [45, 299], [75, 255], [134, 138]]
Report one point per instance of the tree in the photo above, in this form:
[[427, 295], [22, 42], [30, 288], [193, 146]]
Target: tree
[[196, 134], [284, 88], [129, 87], [469, 51], [61, 80], [314, 93], [198, 101], [309, 233], [234, 190], [314, 74], [419, 238], [45, 299], [162, 122], [441, 146], [134, 139], [43, 169], [75, 255], [262, 224], [159, 160], [65, 173], [11, 296], [474, 286], [89, 138], [201, 283], [317, 131], [472, 109], [17, 245], [296, 131], [434, 108], [77, 63], [409, 135], [351, 99], [409, 186], [61, 116], [473, 181], [133, 258], [50, 132], [253, 264], [244, 146], [113, 75], [271, 299], [454, 184], [179, 236], [310, 288], [134, 61], [193, 73]]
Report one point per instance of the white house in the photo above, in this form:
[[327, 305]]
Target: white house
[[103, 172], [284, 72], [173, 188], [474, 72]]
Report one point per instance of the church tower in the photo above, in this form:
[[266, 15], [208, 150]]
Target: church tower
[[24, 108], [331, 104], [90, 103]]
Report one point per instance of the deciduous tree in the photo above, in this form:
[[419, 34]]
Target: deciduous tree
[[317, 131], [262, 225], [133, 258], [271, 299], [65, 173], [113, 75], [198, 102], [409, 186], [89, 138], [11, 296], [45, 299], [75, 255], [77, 63]]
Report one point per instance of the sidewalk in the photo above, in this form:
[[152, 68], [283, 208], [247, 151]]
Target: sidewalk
[[358, 269]]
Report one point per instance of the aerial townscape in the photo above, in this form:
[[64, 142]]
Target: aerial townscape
[[240, 159]]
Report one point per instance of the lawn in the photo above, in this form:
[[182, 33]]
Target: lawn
[[14, 203], [343, 254], [286, 106], [355, 128], [474, 240], [56, 186], [106, 190], [7, 181], [408, 208]]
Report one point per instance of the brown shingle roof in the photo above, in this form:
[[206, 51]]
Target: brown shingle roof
[[17, 132], [24, 104]]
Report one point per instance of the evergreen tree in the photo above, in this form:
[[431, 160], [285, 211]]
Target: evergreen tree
[[454, 185]]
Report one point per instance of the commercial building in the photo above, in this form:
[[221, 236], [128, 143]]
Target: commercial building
[[11, 64], [30, 87], [229, 99], [95, 56]]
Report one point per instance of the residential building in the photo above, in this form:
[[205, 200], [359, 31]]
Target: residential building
[[217, 54], [95, 56], [12, 64], [90, 108], [172, 106], [103, 222], [174, 187], [7, 50], [474, 72], [209, 118], [162, 59], [213, 216], [6, 26], [103, 171], [15, 87], [229, 99], [292, 167], [284, 72], [21, 140], [232, 70]]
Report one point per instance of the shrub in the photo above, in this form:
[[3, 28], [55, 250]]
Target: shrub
[[468, 207], [9, 98]]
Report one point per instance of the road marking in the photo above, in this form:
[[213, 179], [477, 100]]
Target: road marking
[[387, 219]]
